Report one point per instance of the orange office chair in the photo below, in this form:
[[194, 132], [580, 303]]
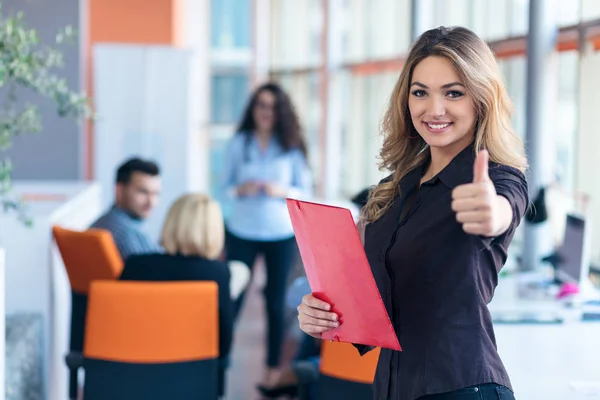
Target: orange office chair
[[88, 256], [152, 340], [344, 374]]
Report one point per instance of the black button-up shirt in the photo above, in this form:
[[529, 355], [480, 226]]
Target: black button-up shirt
[[436, 282]]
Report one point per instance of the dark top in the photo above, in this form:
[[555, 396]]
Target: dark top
[[165, 267], [436, 281]]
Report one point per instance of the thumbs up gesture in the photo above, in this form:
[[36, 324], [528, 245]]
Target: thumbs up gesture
[[477, 206]]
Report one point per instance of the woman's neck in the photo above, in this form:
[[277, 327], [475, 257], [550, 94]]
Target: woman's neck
[[263, 137], [441, 157]]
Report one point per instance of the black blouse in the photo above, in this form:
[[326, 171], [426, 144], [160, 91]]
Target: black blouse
[[436, 282]]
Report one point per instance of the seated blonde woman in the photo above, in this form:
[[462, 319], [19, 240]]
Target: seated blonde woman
[[193, 237]]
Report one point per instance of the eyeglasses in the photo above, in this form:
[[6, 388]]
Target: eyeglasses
[[264, 106]]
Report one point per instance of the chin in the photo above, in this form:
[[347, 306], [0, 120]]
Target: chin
[[439, 141], [143, 214], [444, 141]]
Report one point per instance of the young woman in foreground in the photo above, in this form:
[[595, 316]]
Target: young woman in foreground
[[439, 227]]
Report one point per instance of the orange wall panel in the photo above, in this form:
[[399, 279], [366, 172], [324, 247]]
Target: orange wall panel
[[134, 21], [127, 21]]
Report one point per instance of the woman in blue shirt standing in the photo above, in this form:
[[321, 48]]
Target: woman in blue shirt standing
[[265, 163]]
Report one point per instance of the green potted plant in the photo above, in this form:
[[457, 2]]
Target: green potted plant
[[26, 65]]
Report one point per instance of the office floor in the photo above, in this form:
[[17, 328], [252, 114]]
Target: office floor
[[248, 351]]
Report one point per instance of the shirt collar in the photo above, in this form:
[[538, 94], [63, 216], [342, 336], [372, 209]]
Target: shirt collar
[[124, 215], [459, 171]]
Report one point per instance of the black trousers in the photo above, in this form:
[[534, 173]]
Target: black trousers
[[489, 391], [279, 257]]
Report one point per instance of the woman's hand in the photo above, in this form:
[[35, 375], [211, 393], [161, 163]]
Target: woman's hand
[[250, 188], [314, 316], [274, 190], [477, 206]]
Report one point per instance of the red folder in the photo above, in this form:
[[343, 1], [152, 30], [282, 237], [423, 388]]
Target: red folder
[[338, 272]]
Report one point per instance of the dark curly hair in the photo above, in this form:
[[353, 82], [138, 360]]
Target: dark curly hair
[[287, 127]]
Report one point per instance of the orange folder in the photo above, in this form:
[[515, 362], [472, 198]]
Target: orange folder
[[338, 272]]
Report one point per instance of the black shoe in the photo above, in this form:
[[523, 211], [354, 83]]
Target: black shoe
[[277, 391]]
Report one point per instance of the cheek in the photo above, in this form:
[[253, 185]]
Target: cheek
[[415, 111], [466, 113]]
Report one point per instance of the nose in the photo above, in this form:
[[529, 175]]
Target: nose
[[436, 108]]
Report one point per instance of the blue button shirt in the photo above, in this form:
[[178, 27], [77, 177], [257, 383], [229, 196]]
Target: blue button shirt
[[297, 291], [126, 233], [262, 217]]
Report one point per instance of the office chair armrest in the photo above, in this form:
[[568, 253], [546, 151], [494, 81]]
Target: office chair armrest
[[74, 360]]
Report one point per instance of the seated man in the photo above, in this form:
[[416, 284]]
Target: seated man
[[136, 194]]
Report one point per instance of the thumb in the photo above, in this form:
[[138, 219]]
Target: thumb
[[480, 169]]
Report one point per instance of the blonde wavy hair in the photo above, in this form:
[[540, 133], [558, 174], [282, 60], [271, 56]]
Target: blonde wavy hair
[[194, 227], [403, 149]]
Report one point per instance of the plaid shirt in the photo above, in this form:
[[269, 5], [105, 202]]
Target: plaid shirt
[[126, 233]]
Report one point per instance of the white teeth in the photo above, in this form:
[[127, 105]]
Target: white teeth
[[440, 126]]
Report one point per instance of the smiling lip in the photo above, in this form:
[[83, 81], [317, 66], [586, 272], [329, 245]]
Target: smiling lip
[[437, 127]]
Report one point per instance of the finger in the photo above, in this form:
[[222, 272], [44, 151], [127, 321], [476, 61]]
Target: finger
[[313, 302], [470, 190], [475, 228], [307, 319], [314, 329], [471, 216], [469, 204], [316, 313], [480, 169]]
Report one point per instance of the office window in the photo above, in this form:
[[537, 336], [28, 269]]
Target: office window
[[518, 17], [565, 118], [296, 28], [568, 12], [219, 140], [230, 23], [588, 143], [229, 94], [590, 9]]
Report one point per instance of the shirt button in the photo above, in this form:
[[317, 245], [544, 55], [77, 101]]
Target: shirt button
[[476, 389]]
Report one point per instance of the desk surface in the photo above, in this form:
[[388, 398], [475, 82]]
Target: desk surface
[[544, 360]]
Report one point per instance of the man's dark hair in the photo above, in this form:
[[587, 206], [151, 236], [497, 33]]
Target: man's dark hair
[[136, 164], [360, 199]]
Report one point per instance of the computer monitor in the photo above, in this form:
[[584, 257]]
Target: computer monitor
[[574, 252]]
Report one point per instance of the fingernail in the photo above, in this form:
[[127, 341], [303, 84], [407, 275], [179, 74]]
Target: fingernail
[[327, 307], [335, 317]]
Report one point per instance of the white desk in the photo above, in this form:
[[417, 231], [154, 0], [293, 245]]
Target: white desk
[[36, 280], [543, 360]]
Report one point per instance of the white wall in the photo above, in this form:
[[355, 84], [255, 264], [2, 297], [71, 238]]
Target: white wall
[[588, 144], [36, 281]]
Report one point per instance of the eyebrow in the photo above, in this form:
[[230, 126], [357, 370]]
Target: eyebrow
[[446, 86]]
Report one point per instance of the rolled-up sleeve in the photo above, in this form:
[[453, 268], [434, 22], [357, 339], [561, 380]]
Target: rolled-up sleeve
[[511, 184], [302, 183]]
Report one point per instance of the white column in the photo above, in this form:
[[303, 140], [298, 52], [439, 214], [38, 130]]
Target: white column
[[196, 37], [261, 26], [541, 75], [334, 113]]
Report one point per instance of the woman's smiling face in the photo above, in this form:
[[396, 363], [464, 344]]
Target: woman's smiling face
[[441, 110]]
